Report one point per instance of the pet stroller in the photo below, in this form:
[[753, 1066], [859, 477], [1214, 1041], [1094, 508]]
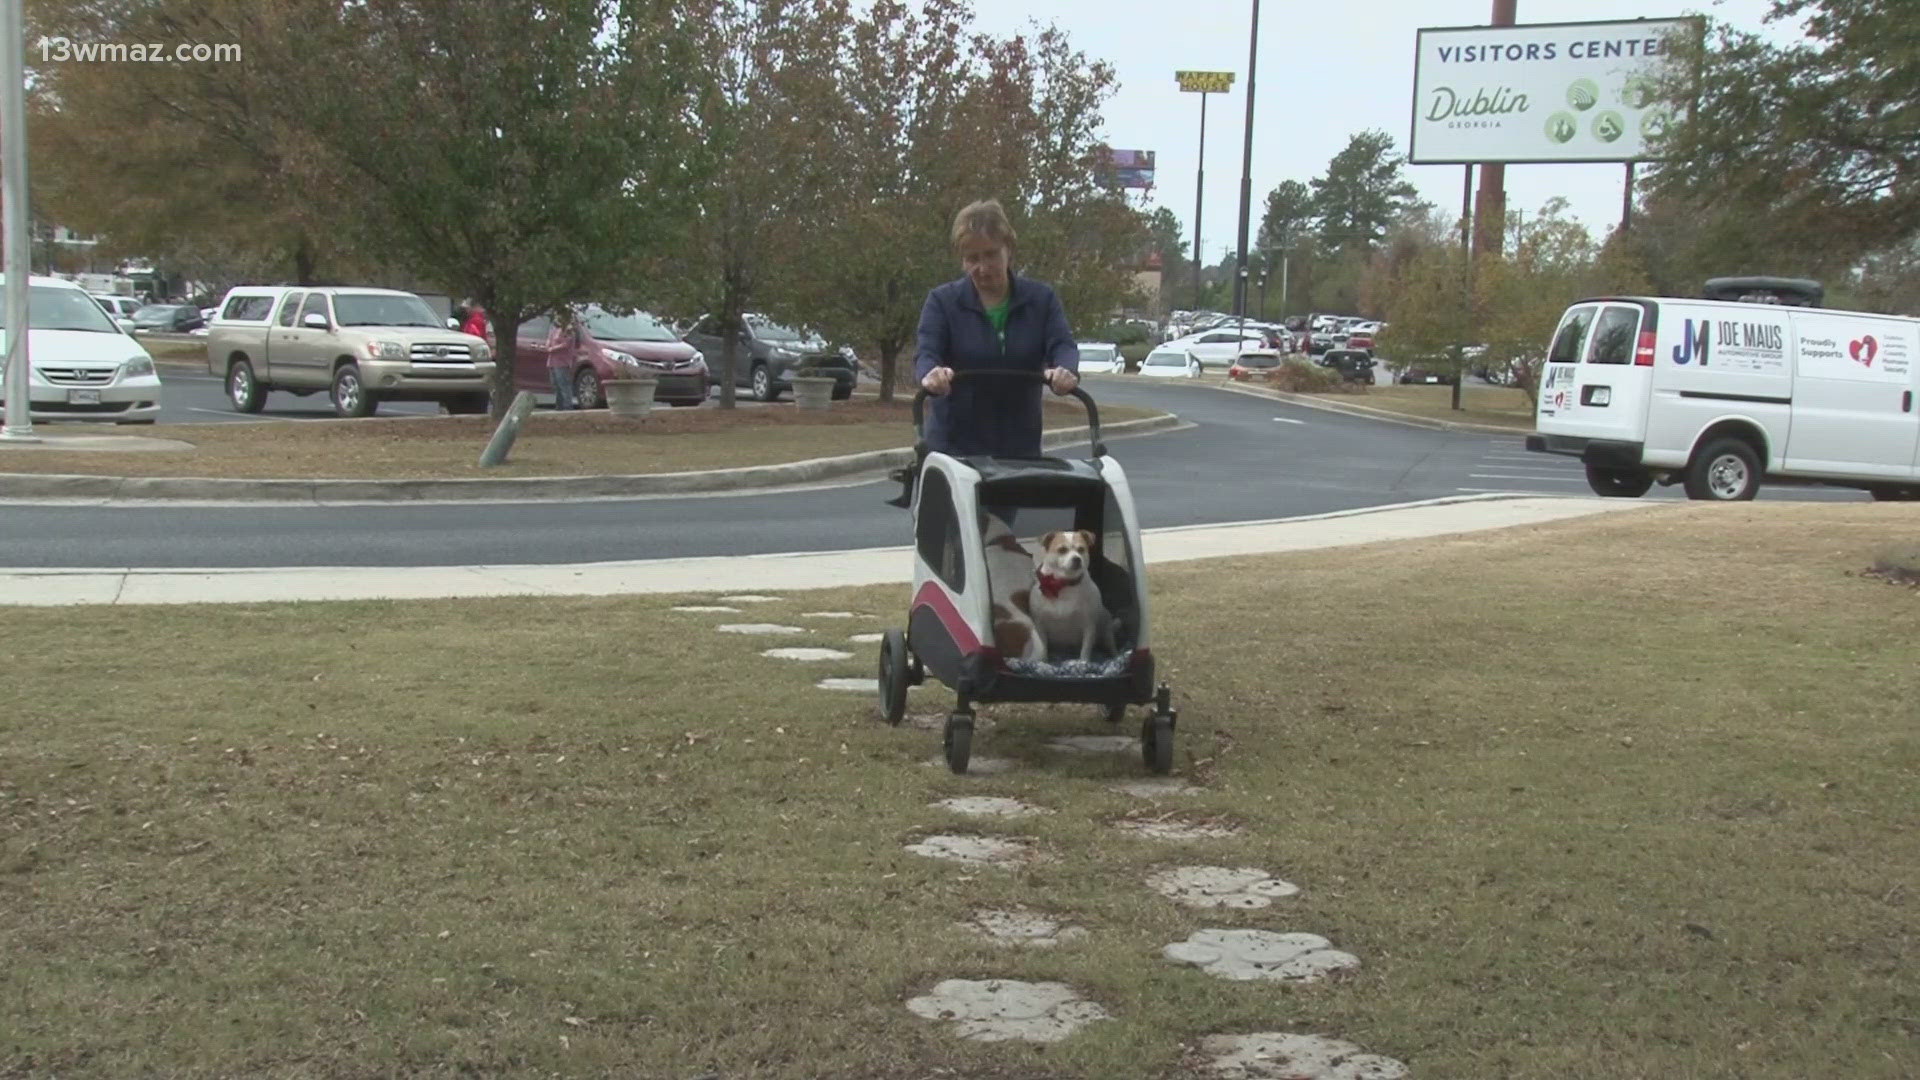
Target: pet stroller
[[950, 621]]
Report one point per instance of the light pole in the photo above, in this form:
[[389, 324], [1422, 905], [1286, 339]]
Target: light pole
[[1202, 83], [1246, 169], [17, 425]]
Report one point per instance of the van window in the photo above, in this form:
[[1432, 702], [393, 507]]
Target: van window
[[249, 308], [288, 307], [1566, 343], [1612, 341]]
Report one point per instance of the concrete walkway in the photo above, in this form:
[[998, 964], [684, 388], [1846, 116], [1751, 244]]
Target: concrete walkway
[[756, 573]]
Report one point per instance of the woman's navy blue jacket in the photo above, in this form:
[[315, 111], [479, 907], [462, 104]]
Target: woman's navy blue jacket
[[990, 416]]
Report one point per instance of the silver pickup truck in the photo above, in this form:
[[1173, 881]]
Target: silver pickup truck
[[360, 346]]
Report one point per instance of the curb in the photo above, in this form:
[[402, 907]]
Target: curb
[[522, 489], [1365, 412]]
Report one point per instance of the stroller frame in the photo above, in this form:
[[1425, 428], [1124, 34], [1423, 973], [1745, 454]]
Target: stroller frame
[[949, 631]]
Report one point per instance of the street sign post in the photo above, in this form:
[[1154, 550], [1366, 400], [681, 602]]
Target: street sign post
[[18, 421], [1202, 83]]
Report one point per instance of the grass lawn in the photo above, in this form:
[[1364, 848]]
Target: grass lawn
[[177, 353], [1501, 405], [550, 444], [1631, 796]]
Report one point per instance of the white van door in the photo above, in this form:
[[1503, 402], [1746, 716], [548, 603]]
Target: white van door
[[1598, 374], [1853, 395]]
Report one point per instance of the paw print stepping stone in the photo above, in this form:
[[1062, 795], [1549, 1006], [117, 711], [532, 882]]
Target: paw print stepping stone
[[1002, 1010], [812, 656], [1281, 1055], [760, 628], [1221, 887], [973, 850], [1261, 955], [991, 806]]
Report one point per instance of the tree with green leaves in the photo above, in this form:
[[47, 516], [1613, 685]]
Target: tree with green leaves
[[1815, 145], [1362, 193], [764, 92], [934, 116], [1289, 217]]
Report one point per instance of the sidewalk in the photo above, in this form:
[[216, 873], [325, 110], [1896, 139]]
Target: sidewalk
[[756, 573]]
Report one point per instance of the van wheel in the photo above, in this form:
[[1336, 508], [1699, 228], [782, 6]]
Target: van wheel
[[1726, 470], [1618, 483], [586, 390], [243, 389], [350, 396]]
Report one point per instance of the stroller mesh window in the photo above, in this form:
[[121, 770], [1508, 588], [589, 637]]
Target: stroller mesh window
[[937, 532]]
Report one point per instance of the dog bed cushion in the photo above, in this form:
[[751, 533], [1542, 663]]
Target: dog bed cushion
[[1069, 669]]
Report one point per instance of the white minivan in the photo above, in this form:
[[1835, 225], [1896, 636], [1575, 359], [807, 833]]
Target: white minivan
[[80, 364], [1715, 394]]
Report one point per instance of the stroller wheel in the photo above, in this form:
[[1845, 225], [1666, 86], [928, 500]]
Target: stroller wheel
[[893, 676], [1156, 742], [959, 741]]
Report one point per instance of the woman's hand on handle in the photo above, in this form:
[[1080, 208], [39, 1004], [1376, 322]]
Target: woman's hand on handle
[[938, 381], [1062, 380]]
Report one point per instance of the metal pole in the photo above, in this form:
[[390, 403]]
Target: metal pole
[[1199, 202], [1493, 174], [18, 424], [1626, 203], [1284, 256], [1466, 209], [1246, 174]]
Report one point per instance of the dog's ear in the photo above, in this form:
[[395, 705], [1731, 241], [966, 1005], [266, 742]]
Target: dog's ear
[[1046, 541], [1086, 537]]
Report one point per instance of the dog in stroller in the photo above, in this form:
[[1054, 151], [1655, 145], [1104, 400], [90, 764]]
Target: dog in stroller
[[1062, 618]]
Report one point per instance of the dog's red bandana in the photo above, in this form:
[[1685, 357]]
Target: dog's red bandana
[[1050, 586]]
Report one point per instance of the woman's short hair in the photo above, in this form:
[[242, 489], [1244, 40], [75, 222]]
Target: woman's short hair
[[984, 219]]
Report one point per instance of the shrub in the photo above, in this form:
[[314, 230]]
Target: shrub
[[1301, 377]]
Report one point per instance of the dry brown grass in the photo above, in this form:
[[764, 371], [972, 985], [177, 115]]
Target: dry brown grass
[[1624, 797]]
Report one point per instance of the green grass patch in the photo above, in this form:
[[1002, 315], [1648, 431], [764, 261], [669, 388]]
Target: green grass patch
[[550, 444], [176, 353], [1630, 796]]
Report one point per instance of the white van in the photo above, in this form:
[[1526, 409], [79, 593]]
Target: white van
[[80, 364], [1714, 394]]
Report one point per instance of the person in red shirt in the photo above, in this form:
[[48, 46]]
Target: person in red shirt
[[476, 323]]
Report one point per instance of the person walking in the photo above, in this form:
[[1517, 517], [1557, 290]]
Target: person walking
[[994, 320]]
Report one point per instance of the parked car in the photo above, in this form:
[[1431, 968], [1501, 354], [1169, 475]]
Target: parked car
[[1253, 364], [1101, 356], [1353, 365], [1360, 341], [119, 308], [602, 345], [81, 365], [167, 319], [1217, 349], [767, 355], [360, 346], [1170, 361], [1418, 373]]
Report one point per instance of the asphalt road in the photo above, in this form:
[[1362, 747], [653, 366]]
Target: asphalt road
[[192, 397], [1246, 458]]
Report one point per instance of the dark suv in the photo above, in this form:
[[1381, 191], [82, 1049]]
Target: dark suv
[[769, 354]]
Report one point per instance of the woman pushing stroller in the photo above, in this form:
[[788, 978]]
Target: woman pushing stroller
[[991, 319]]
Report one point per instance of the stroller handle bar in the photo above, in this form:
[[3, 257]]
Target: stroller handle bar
[[920, 398]]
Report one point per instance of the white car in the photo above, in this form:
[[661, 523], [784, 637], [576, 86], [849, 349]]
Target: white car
[[81, 366], [119, 308], [1171, 361], [1101, 356], [1218, 349]]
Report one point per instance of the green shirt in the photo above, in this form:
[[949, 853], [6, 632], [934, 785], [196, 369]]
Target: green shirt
[[997, 315]]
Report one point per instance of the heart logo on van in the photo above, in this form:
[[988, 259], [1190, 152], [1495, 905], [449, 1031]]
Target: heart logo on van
[[1864, 349]]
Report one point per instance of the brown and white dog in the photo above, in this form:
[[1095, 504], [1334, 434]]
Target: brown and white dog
[[1064, 603]]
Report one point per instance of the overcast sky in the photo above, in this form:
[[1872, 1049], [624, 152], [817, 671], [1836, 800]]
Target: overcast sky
[[1328, 68]]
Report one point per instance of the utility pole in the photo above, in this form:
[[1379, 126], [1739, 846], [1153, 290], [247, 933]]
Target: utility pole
[[1491, 211], [1246, 173]]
